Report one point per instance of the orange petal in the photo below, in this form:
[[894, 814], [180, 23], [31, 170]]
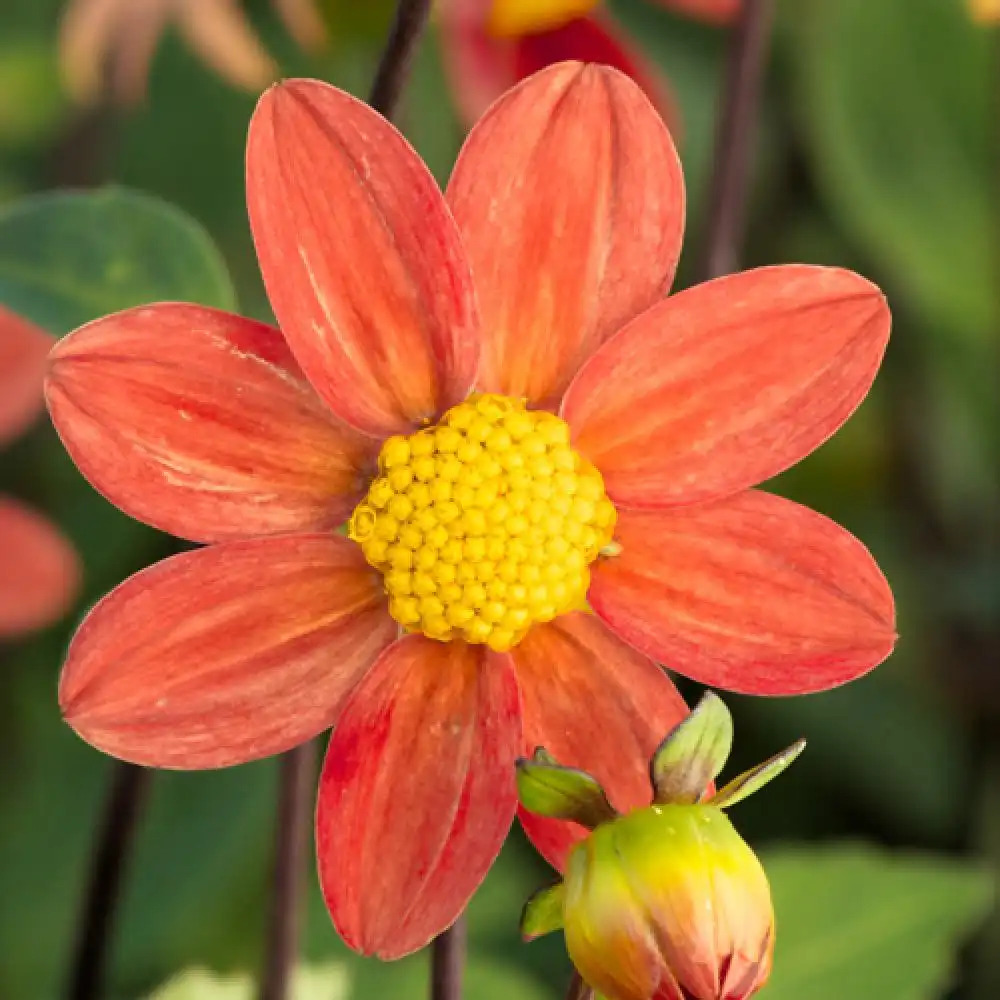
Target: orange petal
[[201, 424], [597, 705], [39, 571], [752, 593], [728, 383], [482, 67], [23, 348], [225, 654], [565, 247], [417, 792], [713, 11], [361, 258]]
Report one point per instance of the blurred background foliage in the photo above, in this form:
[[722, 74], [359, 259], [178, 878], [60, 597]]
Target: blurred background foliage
[[878, 150]]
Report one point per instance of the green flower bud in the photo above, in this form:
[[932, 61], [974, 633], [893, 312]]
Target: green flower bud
[[668, 903]]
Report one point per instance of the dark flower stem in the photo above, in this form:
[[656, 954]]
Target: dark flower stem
[[394, 66], [291, 845], [578, 989], [448, 962], [128, 791], [734, 139]]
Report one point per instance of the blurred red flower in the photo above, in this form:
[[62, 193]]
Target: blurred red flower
[[39, 572], [490, 45], [538, 279]]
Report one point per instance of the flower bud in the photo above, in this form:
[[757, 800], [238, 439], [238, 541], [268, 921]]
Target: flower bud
[[668, 903]]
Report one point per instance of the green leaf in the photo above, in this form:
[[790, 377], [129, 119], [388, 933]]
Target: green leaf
[[857, 921], [562, 793], [322, 982], [543, 913], [745, 784], [693, 753], [895, 99], [67, 258]]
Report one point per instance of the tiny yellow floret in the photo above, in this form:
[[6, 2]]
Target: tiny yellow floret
[[485, 523]]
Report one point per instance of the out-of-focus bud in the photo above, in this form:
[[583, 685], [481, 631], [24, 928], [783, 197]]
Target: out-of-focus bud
[[667, 902], [107, 46]]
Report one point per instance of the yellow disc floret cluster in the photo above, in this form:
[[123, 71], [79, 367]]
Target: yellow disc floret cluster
[[485, 523]]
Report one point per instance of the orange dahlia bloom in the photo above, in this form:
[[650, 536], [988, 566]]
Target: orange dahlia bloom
[[38, 568], [546, 467], [490, 45]]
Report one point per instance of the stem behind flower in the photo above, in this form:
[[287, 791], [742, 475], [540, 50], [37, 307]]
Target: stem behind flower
[[129, 789], [734, 139], [394, 66], [295, 805]]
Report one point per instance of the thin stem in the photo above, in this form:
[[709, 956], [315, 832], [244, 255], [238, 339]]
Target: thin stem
[[578, 989], [394, 66], [291, 845], [448, 962], [125, 798], [734, 139]]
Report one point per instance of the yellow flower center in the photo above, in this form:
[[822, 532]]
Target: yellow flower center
[[485, 523]]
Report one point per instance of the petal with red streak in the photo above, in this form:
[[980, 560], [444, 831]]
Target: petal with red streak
[[565, 248], [595, 704], [728, 383], [201, 424], [39, 571], [362, 260], [23, 348], [225, 654], [417, 792], [753, 593]]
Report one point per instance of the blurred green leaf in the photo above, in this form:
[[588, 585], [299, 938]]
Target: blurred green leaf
[[323, 982], [31, 102], [876, 743], [856, 921], [67, 258], [894, 100]]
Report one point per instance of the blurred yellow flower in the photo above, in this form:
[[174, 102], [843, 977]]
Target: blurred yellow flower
[[106, 46], [987, 11]]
